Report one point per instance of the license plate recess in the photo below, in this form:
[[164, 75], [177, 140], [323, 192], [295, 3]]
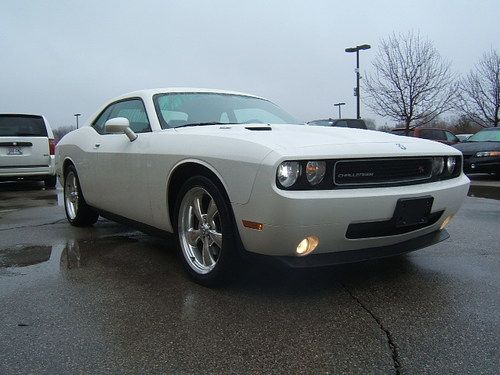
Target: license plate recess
[[14, 151], [412, 211]]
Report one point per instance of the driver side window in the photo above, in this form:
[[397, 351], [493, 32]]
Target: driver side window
[[133, 110]]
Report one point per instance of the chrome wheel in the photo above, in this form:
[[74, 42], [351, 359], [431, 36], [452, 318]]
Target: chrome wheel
[[199, 229], [71, 195]]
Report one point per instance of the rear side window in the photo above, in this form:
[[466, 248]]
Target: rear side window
[[22, 126], [321, 122], [358, 124], [342, 124], [403, 132], [451, 137], [133, 110], [433, 134]]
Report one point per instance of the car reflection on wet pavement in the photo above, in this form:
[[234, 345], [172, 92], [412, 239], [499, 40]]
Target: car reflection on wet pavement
[[110, 299]]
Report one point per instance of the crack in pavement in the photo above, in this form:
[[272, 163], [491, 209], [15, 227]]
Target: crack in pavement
[[33, 226], [390, 340]]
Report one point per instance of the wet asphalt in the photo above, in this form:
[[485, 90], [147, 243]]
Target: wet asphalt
[[110, 299]]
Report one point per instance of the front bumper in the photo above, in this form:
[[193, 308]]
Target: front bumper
[[352, 256], [290, 216], [473, 164]]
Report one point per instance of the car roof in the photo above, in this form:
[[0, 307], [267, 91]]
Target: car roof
[[19, 114], [166, 90]]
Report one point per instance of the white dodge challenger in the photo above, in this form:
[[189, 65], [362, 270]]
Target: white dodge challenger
[[229, 172]]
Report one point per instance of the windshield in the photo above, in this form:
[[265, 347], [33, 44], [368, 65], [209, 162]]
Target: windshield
[[185, 109], [485, 136], [22, 125]]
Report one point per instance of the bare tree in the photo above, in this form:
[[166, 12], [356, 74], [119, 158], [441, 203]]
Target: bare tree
[[410, 82], [479, 91], [62, 131]]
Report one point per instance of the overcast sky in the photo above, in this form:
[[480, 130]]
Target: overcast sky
[[62, 57]]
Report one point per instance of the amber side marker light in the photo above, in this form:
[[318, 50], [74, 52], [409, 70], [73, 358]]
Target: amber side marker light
[[253, 225]]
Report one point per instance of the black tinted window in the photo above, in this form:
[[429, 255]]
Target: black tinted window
[[402, 132], [342, 124], [321, 122], [22, 126], [358, 124], [433, 134]]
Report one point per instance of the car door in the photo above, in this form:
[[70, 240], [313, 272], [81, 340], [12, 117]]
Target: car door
[[122, 166]]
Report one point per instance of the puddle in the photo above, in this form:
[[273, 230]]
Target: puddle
[[23, 266], [24, 256], [481, 191]]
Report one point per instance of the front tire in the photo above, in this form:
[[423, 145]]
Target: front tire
[[205, 232], [78, 212]]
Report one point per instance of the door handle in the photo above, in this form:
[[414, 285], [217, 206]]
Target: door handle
[[97, 145]]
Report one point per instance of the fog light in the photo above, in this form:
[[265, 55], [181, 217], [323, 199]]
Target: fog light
[[446, 222], [307, 245]]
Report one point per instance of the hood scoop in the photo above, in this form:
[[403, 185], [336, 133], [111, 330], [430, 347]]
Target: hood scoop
[[259, 128]]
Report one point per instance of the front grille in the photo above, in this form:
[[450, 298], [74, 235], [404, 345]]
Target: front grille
[[467, 157], [387, 171], [387, 227]]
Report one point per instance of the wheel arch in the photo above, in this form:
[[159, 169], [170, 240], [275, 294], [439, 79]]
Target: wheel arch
[[184, 170]]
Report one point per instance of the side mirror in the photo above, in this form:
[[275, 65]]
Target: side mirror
[[119, 125]]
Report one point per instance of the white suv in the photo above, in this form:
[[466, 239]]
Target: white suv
[[27, 149]]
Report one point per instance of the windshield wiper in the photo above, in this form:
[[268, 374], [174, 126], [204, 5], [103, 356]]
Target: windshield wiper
[[205, 123]]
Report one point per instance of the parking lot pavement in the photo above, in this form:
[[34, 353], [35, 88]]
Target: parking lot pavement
[[109, 299]]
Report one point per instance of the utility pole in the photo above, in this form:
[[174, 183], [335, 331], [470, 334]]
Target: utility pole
[[356, 89]]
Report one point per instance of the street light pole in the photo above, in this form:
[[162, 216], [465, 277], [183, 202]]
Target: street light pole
[[76, 116], [339, 105], [356, 92]]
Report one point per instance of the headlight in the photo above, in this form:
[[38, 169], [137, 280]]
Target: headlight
[[437, 166], [483, 154], [315, 171], [288, 173], [451, 162]]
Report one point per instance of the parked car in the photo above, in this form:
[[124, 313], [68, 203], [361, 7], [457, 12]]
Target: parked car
[[434, 134], [27, 149], [481, 152], [463, 137], [230, 173], [343, 123]]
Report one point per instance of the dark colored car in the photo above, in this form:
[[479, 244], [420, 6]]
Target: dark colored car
[[343, 123], [482, 152], [434, 134]]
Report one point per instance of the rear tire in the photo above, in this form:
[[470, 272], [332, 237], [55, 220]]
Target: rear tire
[[205, 232], [78, 212], [50, 182]]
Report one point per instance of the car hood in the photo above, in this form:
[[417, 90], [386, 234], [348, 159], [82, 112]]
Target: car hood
[[305, 139], [469, 148]]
